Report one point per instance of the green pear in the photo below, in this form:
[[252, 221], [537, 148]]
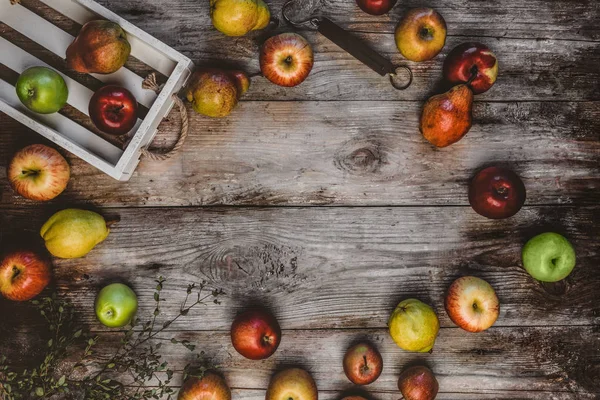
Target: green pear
[[414, 326], [73, 233], [238, 17]]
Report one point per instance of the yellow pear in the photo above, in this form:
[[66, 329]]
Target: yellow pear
[[73, 233], [238, 17], [414, 326]]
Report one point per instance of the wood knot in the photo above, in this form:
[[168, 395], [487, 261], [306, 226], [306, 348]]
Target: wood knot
[[365, 160]]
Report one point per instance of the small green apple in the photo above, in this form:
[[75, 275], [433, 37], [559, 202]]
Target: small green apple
[[116, 304], [42, 90], [549, 257]]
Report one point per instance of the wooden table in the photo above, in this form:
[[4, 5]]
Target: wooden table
[[241, 206]]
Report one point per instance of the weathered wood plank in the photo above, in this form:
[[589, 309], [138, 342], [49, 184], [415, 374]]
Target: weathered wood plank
[[329, 267], [345, 153]]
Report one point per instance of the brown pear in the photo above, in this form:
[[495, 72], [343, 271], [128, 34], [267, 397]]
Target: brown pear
[[214, 92], [101, 47], [447, 117]]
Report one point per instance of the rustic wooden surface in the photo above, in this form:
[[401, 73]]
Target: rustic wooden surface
[[398, 223]]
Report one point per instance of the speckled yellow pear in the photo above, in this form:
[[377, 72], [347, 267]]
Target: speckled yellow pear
[[73, 233], [238, 17]]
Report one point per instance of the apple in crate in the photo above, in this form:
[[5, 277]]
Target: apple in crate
[[255, 334], [113, 110], [292, 384], [472, 304], [421, 34], [42, 90], [549, 257], [116, 304], [23, 275], [473, 62], [376, 7], [38, 172], [496, 193], [363, 363], [209, 387], [286, 59]]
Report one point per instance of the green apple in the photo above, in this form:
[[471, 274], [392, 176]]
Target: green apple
[[42, 90], [116, 304], [549, 257]]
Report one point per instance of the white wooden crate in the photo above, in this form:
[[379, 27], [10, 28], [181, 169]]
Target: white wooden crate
[[68, 134]]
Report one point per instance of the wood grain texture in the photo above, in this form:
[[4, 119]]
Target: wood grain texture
[[345, 153], [330, 267]]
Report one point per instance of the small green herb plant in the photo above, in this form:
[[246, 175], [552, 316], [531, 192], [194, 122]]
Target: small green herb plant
[[138, 357]]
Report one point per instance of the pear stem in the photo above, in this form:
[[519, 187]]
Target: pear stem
[[113, 220]]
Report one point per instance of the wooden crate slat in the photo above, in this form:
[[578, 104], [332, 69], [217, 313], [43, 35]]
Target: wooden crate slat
[[56, 40], [73, 137], [139, 49]]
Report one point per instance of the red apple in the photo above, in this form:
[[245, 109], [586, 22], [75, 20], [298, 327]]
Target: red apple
[[376, 7], [496, 193], [113, 109], [292, 384], [418, 383], [286, 59], [421, 34], [472, 304], [38, 172], [472, 62], [363, 364], [255, 334], [23, 275], [210, 387]]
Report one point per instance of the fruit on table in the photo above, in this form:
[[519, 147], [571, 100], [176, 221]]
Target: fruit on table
[[209, 387], [115, 305], [473, 62], [496, 193], [72, 233], [255, 334], [42, 90], [418, 383], [414, 326], [286, 59], [23, 275], [363, 363], [38, 172], [238, 17], [214, 92], [113, 110], [548, 257], [421, 34], [447, 117], [292, 384], [376, 7], [472, 304], [101, 47]]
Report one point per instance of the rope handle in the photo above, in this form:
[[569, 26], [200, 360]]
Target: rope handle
[[150, 84]]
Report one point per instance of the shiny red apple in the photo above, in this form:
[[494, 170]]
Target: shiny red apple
[[286, 59], [38, 172], [376, 7], [418, 383], [113, 110], [255, 334], [496, 193], [474, 63], [472, 304], [23, 275], [363, 363], [210, 387]]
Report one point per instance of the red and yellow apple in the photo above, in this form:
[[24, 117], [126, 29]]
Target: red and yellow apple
[[292, 384], [474, 63], [421, 34], [472, 304], [210, 387], [38, 172], [418, 383], [255, 334], [376, 7], [363, 363], [286, 59], [113, 110], [496, 193], [23, 275]]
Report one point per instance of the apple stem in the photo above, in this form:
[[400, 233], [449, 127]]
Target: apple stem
[[16, 272], [474, 71]]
